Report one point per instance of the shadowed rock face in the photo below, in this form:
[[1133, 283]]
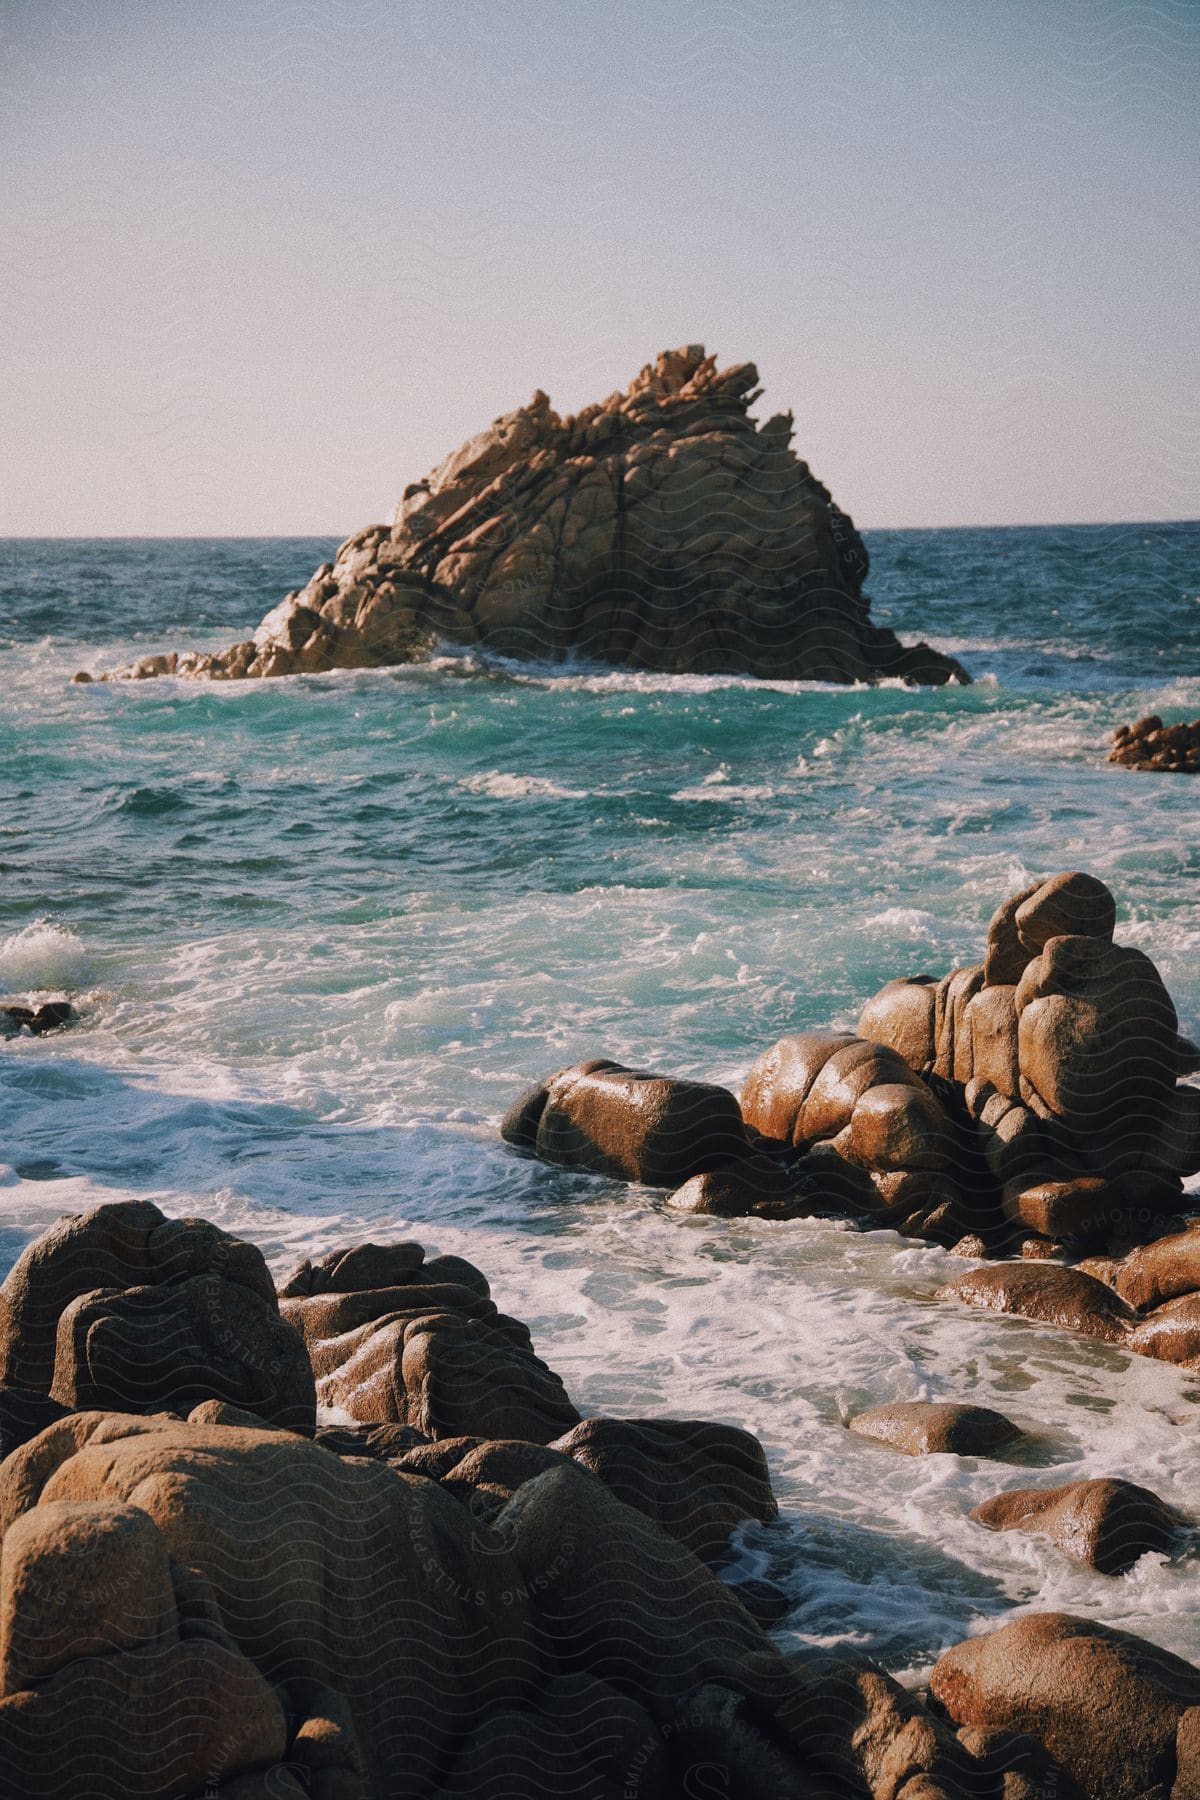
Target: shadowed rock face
[[662, 528]]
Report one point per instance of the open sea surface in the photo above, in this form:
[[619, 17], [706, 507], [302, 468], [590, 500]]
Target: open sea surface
[[321, 930]]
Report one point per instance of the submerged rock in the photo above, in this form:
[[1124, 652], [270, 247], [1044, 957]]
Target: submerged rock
[[661, 528], [927, 1427]]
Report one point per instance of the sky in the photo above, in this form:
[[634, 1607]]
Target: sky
[[264, 262]]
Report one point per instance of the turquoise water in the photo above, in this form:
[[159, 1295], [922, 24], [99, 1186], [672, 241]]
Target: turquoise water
[[321, 930]]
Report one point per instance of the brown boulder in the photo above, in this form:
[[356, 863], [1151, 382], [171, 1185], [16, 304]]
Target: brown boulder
[[1047, 1293], [1106, 1705], [342, 1572], [901, 1015], [1171, 1332], [662, 528], [1068, 905], [865, 1733], [863, 1096], [625, 1123], [1096, 1037], [1107, 1524], [697, 1480], [926, 1427], [819, 1182], [126, 1243], [154, 1349], [1164, 1270], [116, 1671], [441, 1359]]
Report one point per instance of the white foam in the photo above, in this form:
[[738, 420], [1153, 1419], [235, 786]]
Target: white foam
[[43, 958], [502, 786]]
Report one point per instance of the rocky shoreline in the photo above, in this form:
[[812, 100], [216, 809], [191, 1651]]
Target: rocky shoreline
[[463, 1588], [350, 1536], [662, 528]]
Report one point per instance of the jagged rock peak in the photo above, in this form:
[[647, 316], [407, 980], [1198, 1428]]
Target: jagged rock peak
[[661, 528]]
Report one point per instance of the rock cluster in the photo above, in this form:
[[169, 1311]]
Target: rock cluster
[[1034, 1101], [1149, 744], [204, 1600], [662, 528], [200, 1596]]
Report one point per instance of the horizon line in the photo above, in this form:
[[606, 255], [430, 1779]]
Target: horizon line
[[258, 537]]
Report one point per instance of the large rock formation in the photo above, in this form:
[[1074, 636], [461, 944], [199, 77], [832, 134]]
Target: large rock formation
[[662, 528]]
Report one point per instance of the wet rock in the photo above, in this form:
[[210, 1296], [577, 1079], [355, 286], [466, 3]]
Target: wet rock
[[1171, 1332], [1153, 1273], [626, 1604], [859, 1099], [902, 1016], [1149, 744], [127, 1243], [1107, 1524], [1106, 1705], [820, 1182], [925, 1427], [661, 528], [1068, 905], [154, 1349], [365, 1267], [51, 1015], [1051, 1295], [625, 1123]]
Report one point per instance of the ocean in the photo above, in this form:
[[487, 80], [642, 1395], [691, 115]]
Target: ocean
[[322, 930]]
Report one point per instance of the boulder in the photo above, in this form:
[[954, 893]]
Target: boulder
[[115, 1666], [1149, 744], [661, 528], [1164, 1270], [1171, 1332], [861, 1096], [126, 1243], [623, 1603], [1047, 1293], [925, 1427], [902, 1016], [1106, 1705], [819, 1182], [1068, 905], [1096, 1035], [1107, 1524], [695, 1479], [322, 1569], [865, 1733], [441, 1359], [625, 1123], [152, 1349]]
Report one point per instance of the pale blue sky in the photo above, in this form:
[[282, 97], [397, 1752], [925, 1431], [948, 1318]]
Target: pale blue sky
[[266, 261]]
